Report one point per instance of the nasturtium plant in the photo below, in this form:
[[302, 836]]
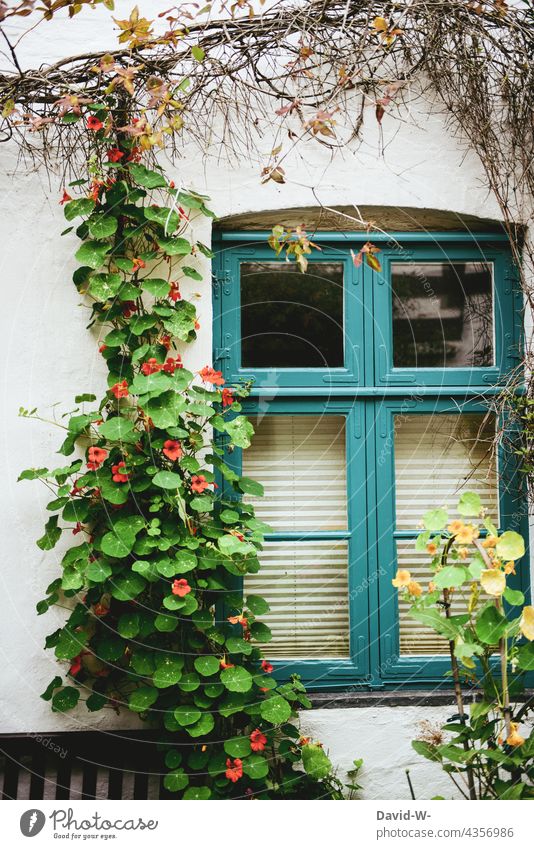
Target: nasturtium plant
[[490, 634], [161, 523]]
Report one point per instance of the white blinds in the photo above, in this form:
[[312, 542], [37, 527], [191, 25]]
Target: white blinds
[[436, 457], [306, 586], [301, 462]]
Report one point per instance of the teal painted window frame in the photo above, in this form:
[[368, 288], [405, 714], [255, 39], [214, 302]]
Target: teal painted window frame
[[369, 394]]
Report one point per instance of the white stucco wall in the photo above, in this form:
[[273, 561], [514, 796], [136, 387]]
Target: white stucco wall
[[48, 356]]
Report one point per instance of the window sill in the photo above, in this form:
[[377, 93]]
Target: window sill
[[392, 698]]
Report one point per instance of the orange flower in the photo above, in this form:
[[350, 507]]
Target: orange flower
[[120, 475], [209, 375], [509, 568], [466, 534], [431, 547], [120, 390], [514, 738], [402, 578], [94, 124], [234, 769], [463, 553], [172, 449], [242, 620], [455, 526], [180, 587], [96, 457], [257, 741], [490, 542], [138, 263], [415, 589], [151, 366], [199, 483], [224, 665]]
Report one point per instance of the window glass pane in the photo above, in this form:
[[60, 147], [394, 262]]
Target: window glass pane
[[442, 314], [306, 585], [300, 460], [290, 319], [437, 456]]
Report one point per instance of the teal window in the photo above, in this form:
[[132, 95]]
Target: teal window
[[371, 403]]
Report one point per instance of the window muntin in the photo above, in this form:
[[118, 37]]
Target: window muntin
[[443, 314], [290, 319], [437, 456], [301, 461]]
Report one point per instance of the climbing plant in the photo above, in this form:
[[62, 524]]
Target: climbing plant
[[158, 623]]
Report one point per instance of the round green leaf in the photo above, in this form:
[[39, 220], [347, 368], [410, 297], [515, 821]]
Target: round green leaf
[[510, 546], [176, 780], [237, 679], [167, 674], [102, 226], [237, 747], [98, 571], [203, 727], [187, 715], [127, 587], [118, 429], [128, 625], [197, 794], [117, 545], [275, 709], [450, 576], [469, 504], [65, 699], [189, 682], [92, 253], [142, 698], [257, 605], [256, 766], [315, 761], [146, 178], [207, 665], [435, 520], [490, 625], [167, 480]]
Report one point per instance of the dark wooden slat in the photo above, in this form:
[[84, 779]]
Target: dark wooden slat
[[115, 783], [11, 779], [63, 779], [140, 785], [37, 769], [89, 780]]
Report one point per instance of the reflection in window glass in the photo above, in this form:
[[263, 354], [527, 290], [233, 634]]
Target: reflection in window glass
[[442, 314], [290, 319]]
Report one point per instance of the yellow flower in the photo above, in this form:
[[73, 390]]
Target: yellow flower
[[402, 578], [509, 568], [455, 526], [431, 547], [466, 535], [514, 738], [431, 587], [415, 589], [526, 622], [493, 582], [463, 553], [490, 542]]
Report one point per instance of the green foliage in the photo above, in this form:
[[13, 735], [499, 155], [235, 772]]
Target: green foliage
[[490, 632], [160, 545]]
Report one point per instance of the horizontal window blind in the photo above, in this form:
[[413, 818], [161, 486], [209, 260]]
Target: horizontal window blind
[[306, 586], [436, 457], [301, 462]]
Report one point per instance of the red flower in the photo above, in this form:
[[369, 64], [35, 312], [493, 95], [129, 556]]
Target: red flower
[[114, 154], [138, 263], [78, 527], [119, 473], [227, 397], [234, 769], [93, 123], [100, 609], [171, 364], [197, 325], [66, 197], [135, 155], [128, 308], [209, 375], [172, 449], [120, 390], [225, 665], [180, 587], [96, 457], [242, 620], [165, 341], [151, 366], [76, 489], [257, 741], [199, 483], [76, 663], [174, 292], [267, 667], [102, 349]]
